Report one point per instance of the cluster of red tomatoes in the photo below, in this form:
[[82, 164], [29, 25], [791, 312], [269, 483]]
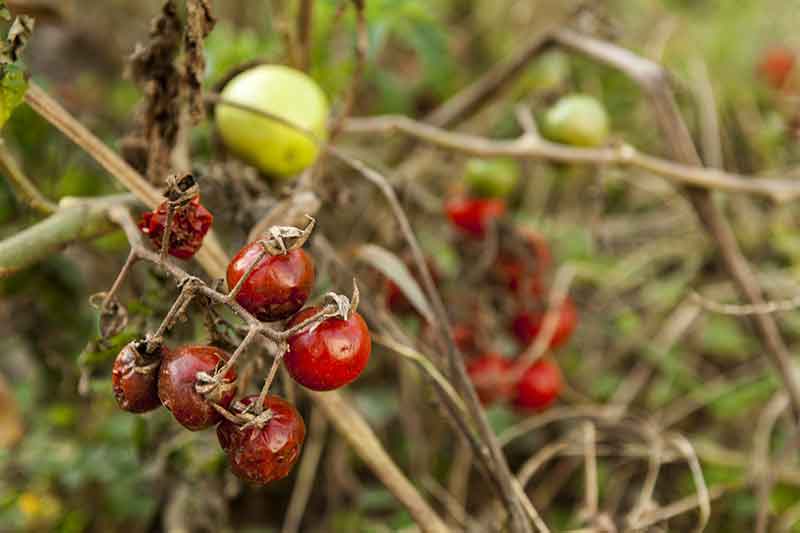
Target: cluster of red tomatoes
[[521, 272], [195, 383], [520, 268]]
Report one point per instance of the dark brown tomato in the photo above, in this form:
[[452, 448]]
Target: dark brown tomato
[[268, 453], [134, 381], [176, 385]]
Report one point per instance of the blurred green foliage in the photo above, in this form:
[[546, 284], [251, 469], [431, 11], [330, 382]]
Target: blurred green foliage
[[80, 468]]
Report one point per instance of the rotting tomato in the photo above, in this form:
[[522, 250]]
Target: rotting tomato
[[190, 223], [264, 453], [135, 380], [177, 381]]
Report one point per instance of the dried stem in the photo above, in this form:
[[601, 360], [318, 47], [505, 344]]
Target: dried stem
[[306, 472], [211, 255], [653, 79], [273, 371], [528, 146]]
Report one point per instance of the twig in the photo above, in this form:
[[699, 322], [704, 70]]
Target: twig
[[653, 79], [517, 505], [703, 498], [485, 88], [761, 452], [352, 427], [211, 255], [362, 43], [529, 147], [306, 472], [22, 184], [771, 306], [590, 471], [305, 19]]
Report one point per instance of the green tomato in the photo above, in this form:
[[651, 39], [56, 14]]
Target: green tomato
[[273, 147], [493, 178], [577, 119], [547, 73]]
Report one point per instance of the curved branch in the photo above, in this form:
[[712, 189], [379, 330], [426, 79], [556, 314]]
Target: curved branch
[[85, 219], [529, 146]]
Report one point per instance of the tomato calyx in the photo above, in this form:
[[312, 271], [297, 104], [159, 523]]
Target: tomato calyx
[[274, 243]]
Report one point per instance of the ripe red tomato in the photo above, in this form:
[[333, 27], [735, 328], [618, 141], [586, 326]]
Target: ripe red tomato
[[176, 385], [464, 338], [332, 355], [135, 390], [776, 65], [190, 224], [489, 375], [278, 287], [538, 387], [527, 325], [473, 216], [268, 453], [516, 268]]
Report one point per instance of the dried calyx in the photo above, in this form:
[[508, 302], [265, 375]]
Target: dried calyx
[[275, 242], [181, 188]]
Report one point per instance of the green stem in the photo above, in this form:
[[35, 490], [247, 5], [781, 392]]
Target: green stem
[[84, 219]]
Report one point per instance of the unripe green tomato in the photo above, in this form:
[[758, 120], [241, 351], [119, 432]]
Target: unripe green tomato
[[275, 148], [492, 178], [577, 119], [548, 72]]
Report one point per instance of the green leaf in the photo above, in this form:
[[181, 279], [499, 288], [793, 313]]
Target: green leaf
[[12, 90], [394, 269]]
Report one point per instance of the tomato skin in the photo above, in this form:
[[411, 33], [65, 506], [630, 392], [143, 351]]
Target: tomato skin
[[538, 387], [472, 216], [464, 338], [278, 287], [334, 354], [176, 385], [577, 120], [134, 390], [276, 149], [190, 224], [491, 178], [776, 66], [527, 325], [265, 454], [489, 374], [518, 272]]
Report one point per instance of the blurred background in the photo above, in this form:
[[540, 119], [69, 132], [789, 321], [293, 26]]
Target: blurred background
[[71, 462]]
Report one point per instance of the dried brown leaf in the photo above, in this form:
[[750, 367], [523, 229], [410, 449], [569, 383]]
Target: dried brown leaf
[[199, 23]]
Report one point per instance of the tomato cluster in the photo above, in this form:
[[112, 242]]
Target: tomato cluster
[[324, 350], [518, 275]]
